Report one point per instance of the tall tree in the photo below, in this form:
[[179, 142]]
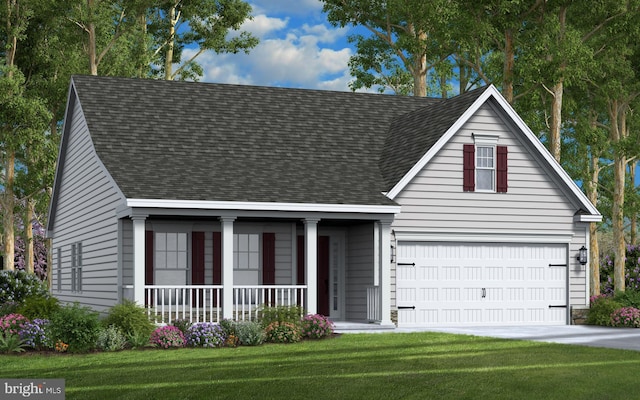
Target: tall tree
[[21, 117], [211, 25], [409, 39]]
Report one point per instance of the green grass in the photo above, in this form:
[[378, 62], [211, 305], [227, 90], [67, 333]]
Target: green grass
[[352, 366]]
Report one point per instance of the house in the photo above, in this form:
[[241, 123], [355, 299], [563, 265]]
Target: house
[[206, 201]]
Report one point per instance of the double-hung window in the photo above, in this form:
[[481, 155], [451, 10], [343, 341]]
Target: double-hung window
[[485, 165]]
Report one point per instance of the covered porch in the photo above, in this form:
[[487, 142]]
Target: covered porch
[[202, 267]]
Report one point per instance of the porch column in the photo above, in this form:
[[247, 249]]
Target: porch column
[[138, 258], [311, 263], [227, 266], [385, 272]]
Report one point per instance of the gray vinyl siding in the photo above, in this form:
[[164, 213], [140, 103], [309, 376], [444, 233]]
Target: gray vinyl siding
[[85, 213], [359, 270], [434, 201]]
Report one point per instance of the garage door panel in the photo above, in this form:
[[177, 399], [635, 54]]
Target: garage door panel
[[480, 283]]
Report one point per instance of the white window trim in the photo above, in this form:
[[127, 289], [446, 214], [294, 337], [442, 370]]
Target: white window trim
[[236, 251]]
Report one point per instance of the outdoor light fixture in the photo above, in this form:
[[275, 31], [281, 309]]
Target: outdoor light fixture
[[582, 255], [393, 253]]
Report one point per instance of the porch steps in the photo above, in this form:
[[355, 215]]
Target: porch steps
[[361, 327]]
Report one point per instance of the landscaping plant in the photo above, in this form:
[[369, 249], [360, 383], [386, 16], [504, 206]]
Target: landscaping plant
[[16, 286], [182, 324], [282, 332], [167, 337], [602, 307], [35, 334], [11, 343], [626, 317], [39, 307], [130, 318], [111, 339], [316, 326], [249, 333], [12, 324], [205, 334], [269, 314], [75, 326]]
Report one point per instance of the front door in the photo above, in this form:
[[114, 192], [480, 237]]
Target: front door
[[330, 277]]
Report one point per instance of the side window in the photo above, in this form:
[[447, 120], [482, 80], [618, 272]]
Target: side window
[[76, 267]]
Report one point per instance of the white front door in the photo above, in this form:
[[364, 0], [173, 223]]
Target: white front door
[[442, 283]]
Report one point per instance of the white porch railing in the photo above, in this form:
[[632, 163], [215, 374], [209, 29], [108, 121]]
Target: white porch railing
[[373, 304], [203, 303], [248, 299]]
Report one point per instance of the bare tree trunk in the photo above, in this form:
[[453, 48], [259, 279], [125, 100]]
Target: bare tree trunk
[[8, 205], [509, 66], [168, 62], [617, 131], [594, 249], [49, 244], [633, 218], [556, 120], [28, 237], [420, 72], [91, 46]]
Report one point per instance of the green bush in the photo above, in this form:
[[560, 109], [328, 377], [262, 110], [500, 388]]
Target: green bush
[[111, 339], [10, 307], [130, 318], [76, 326], [39, 307], [16, 286], [601, 309], [249, 333], [282, 332], [269, 315], [628, 298]]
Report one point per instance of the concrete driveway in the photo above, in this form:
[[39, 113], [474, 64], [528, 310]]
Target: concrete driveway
[[584, 335]]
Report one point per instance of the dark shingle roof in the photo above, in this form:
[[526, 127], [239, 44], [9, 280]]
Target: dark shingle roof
[[412, 134], [203, 141]]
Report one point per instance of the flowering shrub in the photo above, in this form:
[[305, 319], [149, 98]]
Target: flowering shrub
[[282, 332], [316, 326], [16, 286], [628, 317], [61, 346], [205, 334], [12, 324], [167, 336], [36, 334]]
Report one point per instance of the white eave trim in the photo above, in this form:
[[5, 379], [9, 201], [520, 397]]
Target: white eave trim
[[588, 218], [491, 91], [484, 237], [262, 206]]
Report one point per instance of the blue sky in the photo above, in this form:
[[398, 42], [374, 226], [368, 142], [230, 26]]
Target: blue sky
[[298, 48]]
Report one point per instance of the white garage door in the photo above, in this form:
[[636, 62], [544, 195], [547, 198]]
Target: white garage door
[[446, 284]]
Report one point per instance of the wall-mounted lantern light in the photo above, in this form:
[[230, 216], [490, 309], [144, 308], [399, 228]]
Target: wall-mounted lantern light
[[582, 255], [393, 253]]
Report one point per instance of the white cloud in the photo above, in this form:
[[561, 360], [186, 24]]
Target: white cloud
[[261, 25], [294, 51]]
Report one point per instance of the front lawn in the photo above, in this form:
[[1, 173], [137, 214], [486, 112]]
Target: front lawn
[[351, 366]]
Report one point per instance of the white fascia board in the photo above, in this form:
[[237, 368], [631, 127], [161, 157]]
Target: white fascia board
[[493, 92], [588, 218], [262, 206], [484, 237]]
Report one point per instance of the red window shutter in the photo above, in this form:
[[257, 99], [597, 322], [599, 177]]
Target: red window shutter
[[217, 258], [197, 258], [469, 175], [501, 169], [148, 258], [268, 258]]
